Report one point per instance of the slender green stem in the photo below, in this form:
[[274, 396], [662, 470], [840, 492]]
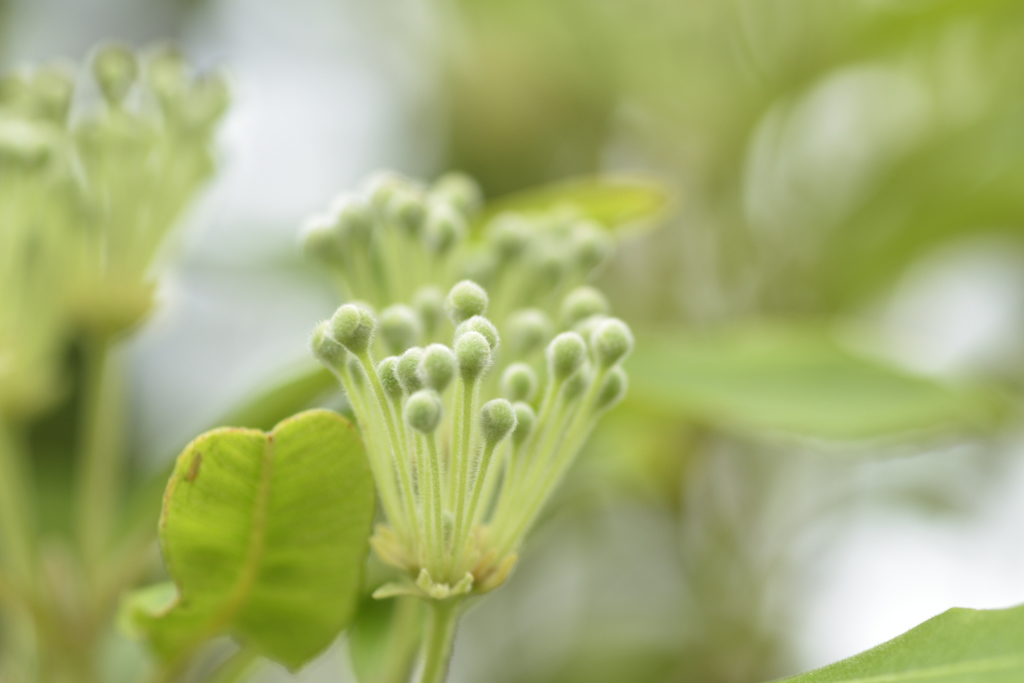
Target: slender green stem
[[16, 537], [468, 408], [435, 533], [403, 641], [459, 549], [437, 648]]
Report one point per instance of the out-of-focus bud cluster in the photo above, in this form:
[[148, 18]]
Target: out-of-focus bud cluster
[[469, 425], [97, 163], [402, 241]]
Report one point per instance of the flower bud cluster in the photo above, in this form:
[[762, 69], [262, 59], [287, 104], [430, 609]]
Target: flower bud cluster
[[465, 464], [401, 241], [96, 165]]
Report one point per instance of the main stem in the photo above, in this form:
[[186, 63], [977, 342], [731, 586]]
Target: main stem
[[437, 648]]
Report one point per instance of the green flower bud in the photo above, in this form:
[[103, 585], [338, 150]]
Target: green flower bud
[[423, 411], [353, 326], [582, 303], [509, 235], [408, 370], [115, 69], [592, 245], [444, 229], [479, 268], [566, 354], [429, 304], [437, 367], [380, 187], [387, 370], [320, 241], [611, 341], [576, 384], [550, 266], [53, 88], [326, 348], [167, 74], [497, 420], [207, 100], [528, 331], [465, 300], [519, 382], [525, 421], [473, 354], [354, 218], [399, 328], [612, 390], [406, 209], [480, 324], [459, 190]]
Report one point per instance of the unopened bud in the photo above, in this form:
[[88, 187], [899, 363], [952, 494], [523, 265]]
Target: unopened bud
[[612, 390], [353, 327], [326, 348], [460, 190], [445, 227], [509, 234], [473, 354], [320, 241], [406, 209], [566, 354], [387, 371], [528, 331], [497, 420], [582, 303], [592, 245], [399, 328], [437, 367], [480, 324], [525, 421], [611, 341], [519, 382], [115, 69], [465, 300], [423, 411], [354, 218], [429, 304], [408, 370], [576, 384]]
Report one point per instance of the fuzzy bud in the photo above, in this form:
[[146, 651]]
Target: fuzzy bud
[[480, 324], [382, 186], [400, 328], [519, 382], [592, 245], [320, 241], [445, 227], [353, 326], [465, 300], [408, 370], [473, 354], [582, 303], [437, 367], [526, 419], [115, 69], [423, 411], [497, 420], [566, 353], [509, 234], [460, 190], [612, 390], [353, 217], [326, 348], [576, 384], [528, 331], [611, 341], [406, 209], [387, 370], [428, 302]]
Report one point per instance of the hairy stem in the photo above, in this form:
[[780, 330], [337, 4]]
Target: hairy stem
[[437, 648]]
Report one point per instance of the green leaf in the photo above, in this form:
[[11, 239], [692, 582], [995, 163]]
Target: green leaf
[[796, 380], [616, 203], [266, 537], [958, 646]]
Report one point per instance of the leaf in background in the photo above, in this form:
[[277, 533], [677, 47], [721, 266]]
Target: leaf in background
[[616, 203], [799, 381], [266, 536], [384, 638], [958, 646]]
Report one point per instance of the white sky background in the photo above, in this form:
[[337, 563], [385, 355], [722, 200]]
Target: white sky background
[[326, 92]]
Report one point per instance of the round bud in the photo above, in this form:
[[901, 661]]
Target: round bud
[[387, 370], [480, 324], [399, 328], [54, 88], [551, 265], [460, 190], [208, 100], [591, 244], [405, 208], [353, 327], [353, 217], [423, 411], [473, 354], [408, 370], [115, 69], [445, 227], [509, 234], [465, 300], [437, 367], [582, 303], [497, 420], [525, 421], [429, 304], [326, 348], [320, 241], [519, 382], [576, 384], [381, 186], [167, 73], [612, 390], [611, 341], [528, 331], [566, 354]]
